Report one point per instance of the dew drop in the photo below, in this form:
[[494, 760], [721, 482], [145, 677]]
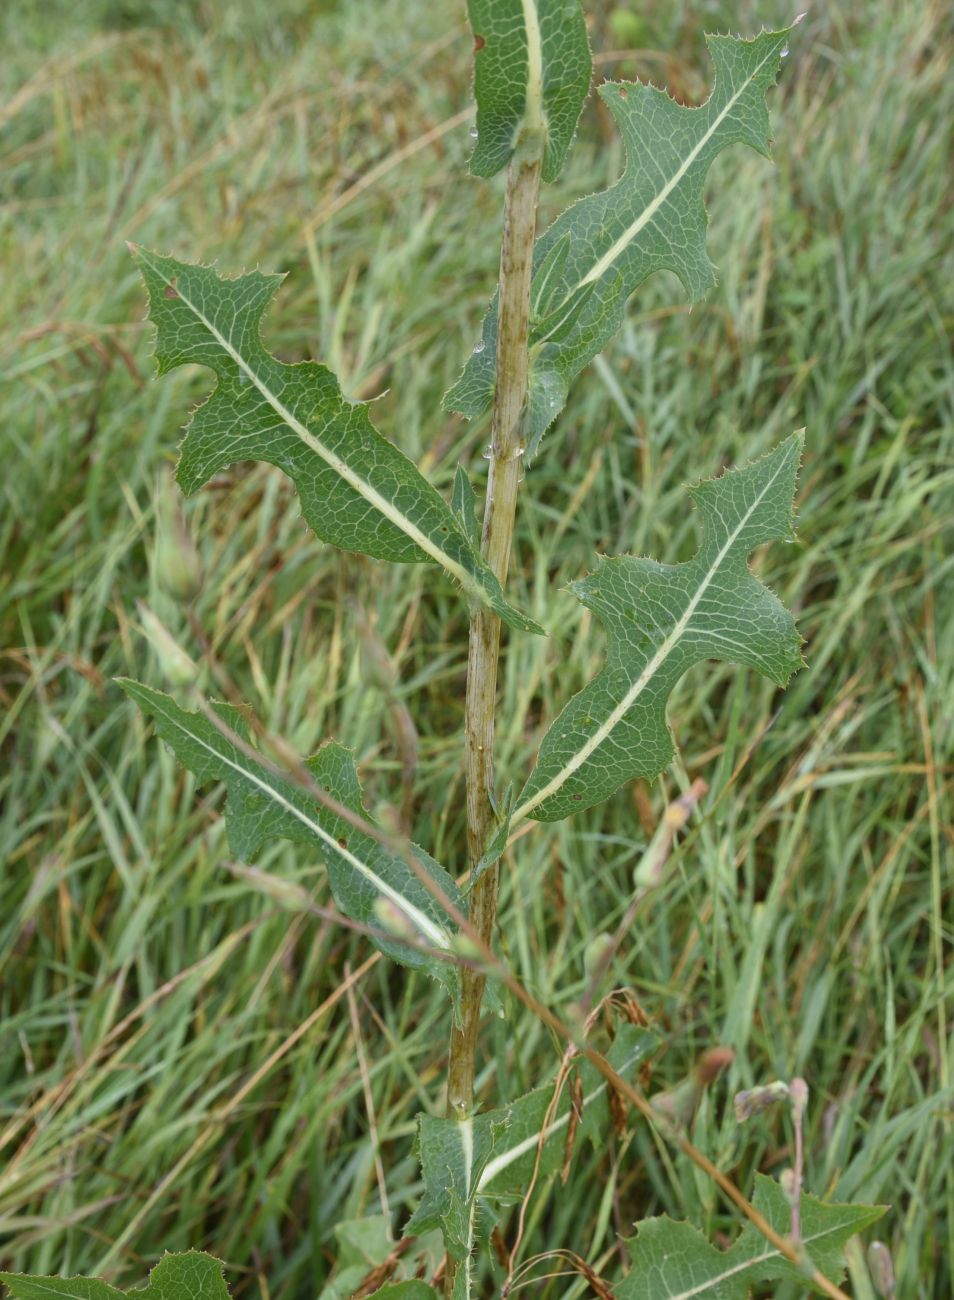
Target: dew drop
[[480, 347], [473, 133], [784, 54]]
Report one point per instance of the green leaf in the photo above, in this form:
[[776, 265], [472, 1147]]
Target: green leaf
[[490, 1157], [531, 75], [464, 505], [192, 1276], [602, 248], [660, 620], [496, 840], [357, 490], [364, 1245], [673, 1261], [263, 806]]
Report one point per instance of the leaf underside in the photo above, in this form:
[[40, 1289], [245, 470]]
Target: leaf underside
[[191, 1276], [263, 806], [674, 1261], [532, 70], [603, 247], [357, 490], [470, 1164], [661, 619]]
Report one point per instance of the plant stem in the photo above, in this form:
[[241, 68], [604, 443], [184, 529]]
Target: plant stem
[[506, 453]]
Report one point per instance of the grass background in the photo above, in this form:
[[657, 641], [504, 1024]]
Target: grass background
[[164, 1079]]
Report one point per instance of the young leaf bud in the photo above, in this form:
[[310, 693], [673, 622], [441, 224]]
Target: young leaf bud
[[679, 1104], [178, 568], [882, 1269], [788, 1181], [174, 664], [375, 664], [798, 1092], [393, 919], [596, 953], [465, 947]]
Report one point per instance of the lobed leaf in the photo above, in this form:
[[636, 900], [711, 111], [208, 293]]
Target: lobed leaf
[[661, 619], [603, 247], [191, 1276], [357, 490], [468, 1164], [532, 72], [673, 1261], [263, 806]]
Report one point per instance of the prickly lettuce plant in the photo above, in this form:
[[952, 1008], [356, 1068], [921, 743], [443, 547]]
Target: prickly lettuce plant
[[559, 299]]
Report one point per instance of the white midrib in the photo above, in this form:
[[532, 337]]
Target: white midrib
[[438, 937], [501, 1162], [649, 672], [341, 467], [647, 214], [755, 1260], [533, 118]]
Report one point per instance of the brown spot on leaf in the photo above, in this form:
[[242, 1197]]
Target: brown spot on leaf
[[343, 842], [479, 44], [170, 291]]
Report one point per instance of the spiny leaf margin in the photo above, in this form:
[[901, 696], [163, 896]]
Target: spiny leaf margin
[[192, 1275], [357, 490], [674, 1261], [263, 806], [469, 1164], [661, 619], [654, 218]]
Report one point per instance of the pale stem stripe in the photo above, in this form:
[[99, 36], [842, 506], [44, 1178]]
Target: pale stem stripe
[[533, 112], [592, 743], [647, 214], [431, 931], [360, 485], [467, 1143]]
